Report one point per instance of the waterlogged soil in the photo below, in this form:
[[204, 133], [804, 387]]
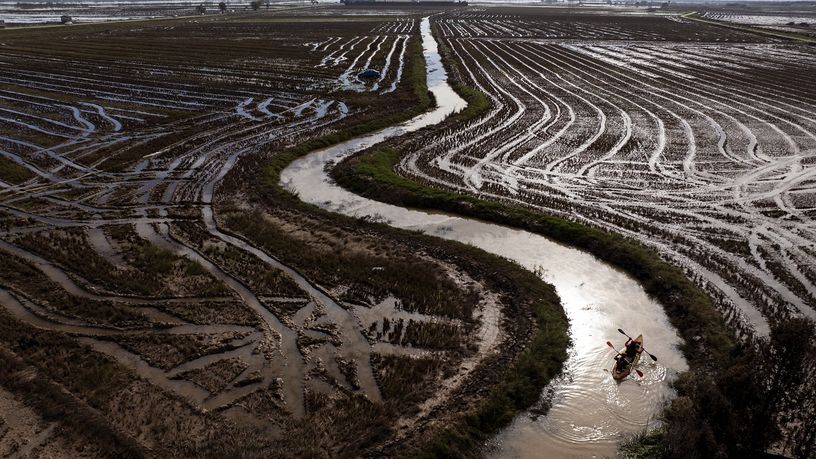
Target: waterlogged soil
[[689, 137], [589, 412], [168, 294], [694, 139], [23, 433], [145, 283]]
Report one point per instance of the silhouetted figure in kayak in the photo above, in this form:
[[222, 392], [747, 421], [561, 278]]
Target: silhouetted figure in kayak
[[632, 348], [628, 357], [622, 362]]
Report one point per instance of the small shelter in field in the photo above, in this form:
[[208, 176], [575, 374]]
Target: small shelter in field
[[368, 74]]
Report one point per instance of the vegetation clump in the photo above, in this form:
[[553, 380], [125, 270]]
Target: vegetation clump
[[763, 397]]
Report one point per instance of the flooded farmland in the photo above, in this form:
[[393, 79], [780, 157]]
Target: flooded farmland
[[591, 411], [376, 231]]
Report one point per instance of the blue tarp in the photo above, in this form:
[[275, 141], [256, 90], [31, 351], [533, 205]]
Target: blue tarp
[[368, 73]]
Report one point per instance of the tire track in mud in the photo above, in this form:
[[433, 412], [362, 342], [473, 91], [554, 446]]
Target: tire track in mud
[[173, 185]]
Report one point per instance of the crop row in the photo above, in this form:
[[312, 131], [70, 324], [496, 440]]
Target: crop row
[[701, 151]]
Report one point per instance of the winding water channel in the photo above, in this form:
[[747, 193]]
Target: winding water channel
[[590, 412]]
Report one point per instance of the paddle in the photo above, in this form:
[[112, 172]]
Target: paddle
[[639, 373], [644, 349]]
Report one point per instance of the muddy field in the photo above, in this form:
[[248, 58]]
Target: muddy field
[[651, 127], [793, 18], [156, 301], [162, 296], [16, 14]]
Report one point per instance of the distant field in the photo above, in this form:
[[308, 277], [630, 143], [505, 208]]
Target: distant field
[[802, 23]]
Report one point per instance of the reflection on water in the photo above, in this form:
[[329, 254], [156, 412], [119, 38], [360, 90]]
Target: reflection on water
[[590, 411]]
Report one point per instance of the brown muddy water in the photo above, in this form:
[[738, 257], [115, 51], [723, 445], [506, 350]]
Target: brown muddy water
[[590, 412]]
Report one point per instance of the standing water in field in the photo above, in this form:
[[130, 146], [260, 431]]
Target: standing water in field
[[590, 412]]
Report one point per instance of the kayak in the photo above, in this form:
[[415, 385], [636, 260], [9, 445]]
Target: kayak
[[618, 375]]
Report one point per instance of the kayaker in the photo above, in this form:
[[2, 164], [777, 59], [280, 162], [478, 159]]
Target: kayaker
[[623, 362], [632, 348]]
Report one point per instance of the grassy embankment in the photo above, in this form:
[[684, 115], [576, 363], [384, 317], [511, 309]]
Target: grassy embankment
[[689, 308], [544, 354]]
